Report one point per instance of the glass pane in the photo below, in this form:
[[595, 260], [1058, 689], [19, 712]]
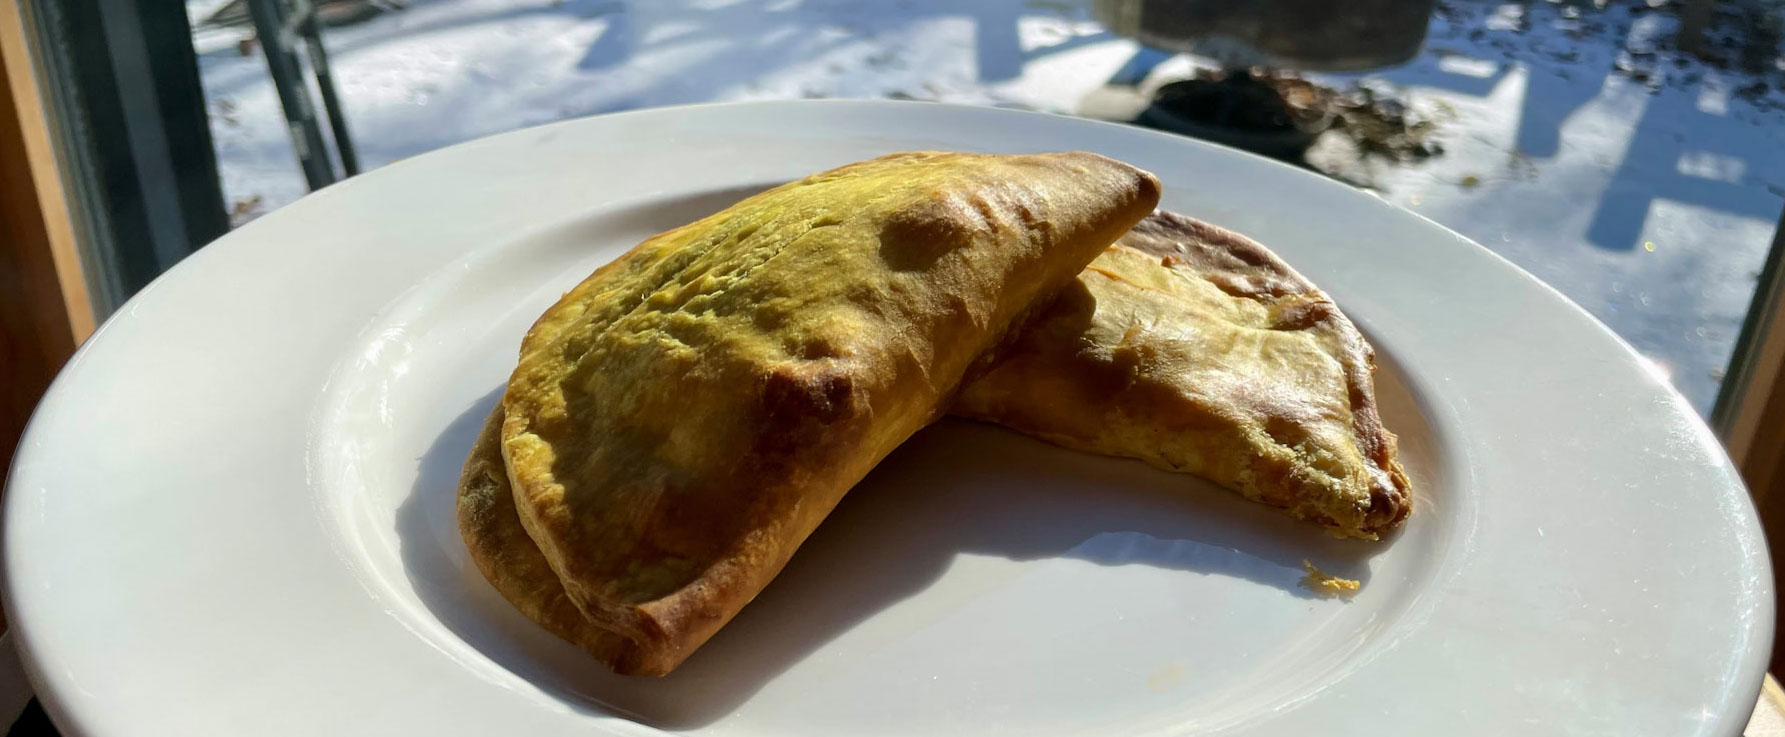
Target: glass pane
[[1574, 138]]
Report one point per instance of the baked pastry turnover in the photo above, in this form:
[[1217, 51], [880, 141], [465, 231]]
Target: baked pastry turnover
[[1196, 349], [686, 416], [682, 419]]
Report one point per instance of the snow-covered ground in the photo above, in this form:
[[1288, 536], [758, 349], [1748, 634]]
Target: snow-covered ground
[[1642, 183]]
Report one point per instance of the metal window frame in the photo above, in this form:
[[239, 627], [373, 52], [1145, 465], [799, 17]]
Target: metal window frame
[[128, 113]]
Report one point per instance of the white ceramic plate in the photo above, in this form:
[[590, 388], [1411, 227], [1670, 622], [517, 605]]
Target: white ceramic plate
[[233, 512]]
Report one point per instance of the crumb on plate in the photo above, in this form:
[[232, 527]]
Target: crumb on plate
[[1320, 582]]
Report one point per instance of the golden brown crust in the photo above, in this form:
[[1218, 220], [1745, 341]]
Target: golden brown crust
[[1086, 390], [1196, 349], [500, 548], [683, 419]]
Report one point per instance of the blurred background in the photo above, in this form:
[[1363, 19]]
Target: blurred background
[[1641, 175]]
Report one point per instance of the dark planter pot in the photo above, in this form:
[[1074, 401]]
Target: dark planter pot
[[1237, 110], [1293, 34]]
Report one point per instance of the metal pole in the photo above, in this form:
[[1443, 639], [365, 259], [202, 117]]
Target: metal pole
[[325, 82], [306, 137], [1694, 17]]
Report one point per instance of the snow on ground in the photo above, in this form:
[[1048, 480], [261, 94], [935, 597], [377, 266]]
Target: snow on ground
[[1643, 184], [1652, 203]]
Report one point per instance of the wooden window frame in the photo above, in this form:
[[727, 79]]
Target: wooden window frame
[[45, 312], [1750, 410]]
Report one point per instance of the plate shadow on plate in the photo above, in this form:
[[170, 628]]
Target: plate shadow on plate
[[957, 488]]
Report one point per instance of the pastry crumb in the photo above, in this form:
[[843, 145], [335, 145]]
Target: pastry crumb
[[1320, 582]]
